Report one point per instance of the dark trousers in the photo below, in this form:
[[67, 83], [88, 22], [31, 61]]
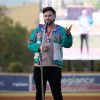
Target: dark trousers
[[84, 37], [53, 76]]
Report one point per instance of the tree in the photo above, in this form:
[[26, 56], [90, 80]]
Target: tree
[[13, 43]]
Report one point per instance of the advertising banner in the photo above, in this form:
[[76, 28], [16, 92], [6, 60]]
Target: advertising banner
[[78, 83], [14, 82], [69, 83]]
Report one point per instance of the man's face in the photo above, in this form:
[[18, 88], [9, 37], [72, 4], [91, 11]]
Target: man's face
[[49, 16]]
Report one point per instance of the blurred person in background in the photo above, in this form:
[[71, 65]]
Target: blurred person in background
[[49, 39], [85, 22]]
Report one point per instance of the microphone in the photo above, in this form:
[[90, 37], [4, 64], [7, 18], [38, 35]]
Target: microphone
[[46, 26]]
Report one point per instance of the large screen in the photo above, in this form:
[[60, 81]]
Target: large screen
[[67, 14]]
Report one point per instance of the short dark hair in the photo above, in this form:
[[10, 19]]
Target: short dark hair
[[49, 9]]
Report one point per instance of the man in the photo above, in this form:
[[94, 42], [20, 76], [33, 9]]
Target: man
[[85, 21], [49, 38]]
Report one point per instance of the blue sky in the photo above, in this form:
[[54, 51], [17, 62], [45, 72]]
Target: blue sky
[[15, 2]]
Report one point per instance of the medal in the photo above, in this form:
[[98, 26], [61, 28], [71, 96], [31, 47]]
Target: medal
[[48, 41]]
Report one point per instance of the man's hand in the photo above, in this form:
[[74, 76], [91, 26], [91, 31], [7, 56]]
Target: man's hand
[[44, 48], [68, 30]]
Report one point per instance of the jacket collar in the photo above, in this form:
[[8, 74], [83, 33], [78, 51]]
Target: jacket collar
[[56, 27]]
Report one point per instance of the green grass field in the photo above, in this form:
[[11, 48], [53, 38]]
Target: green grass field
[[47, 94]]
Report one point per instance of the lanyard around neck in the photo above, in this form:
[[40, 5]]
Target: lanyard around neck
[[48, 33]]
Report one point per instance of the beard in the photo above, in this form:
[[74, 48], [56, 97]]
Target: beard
[[49, 22]]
